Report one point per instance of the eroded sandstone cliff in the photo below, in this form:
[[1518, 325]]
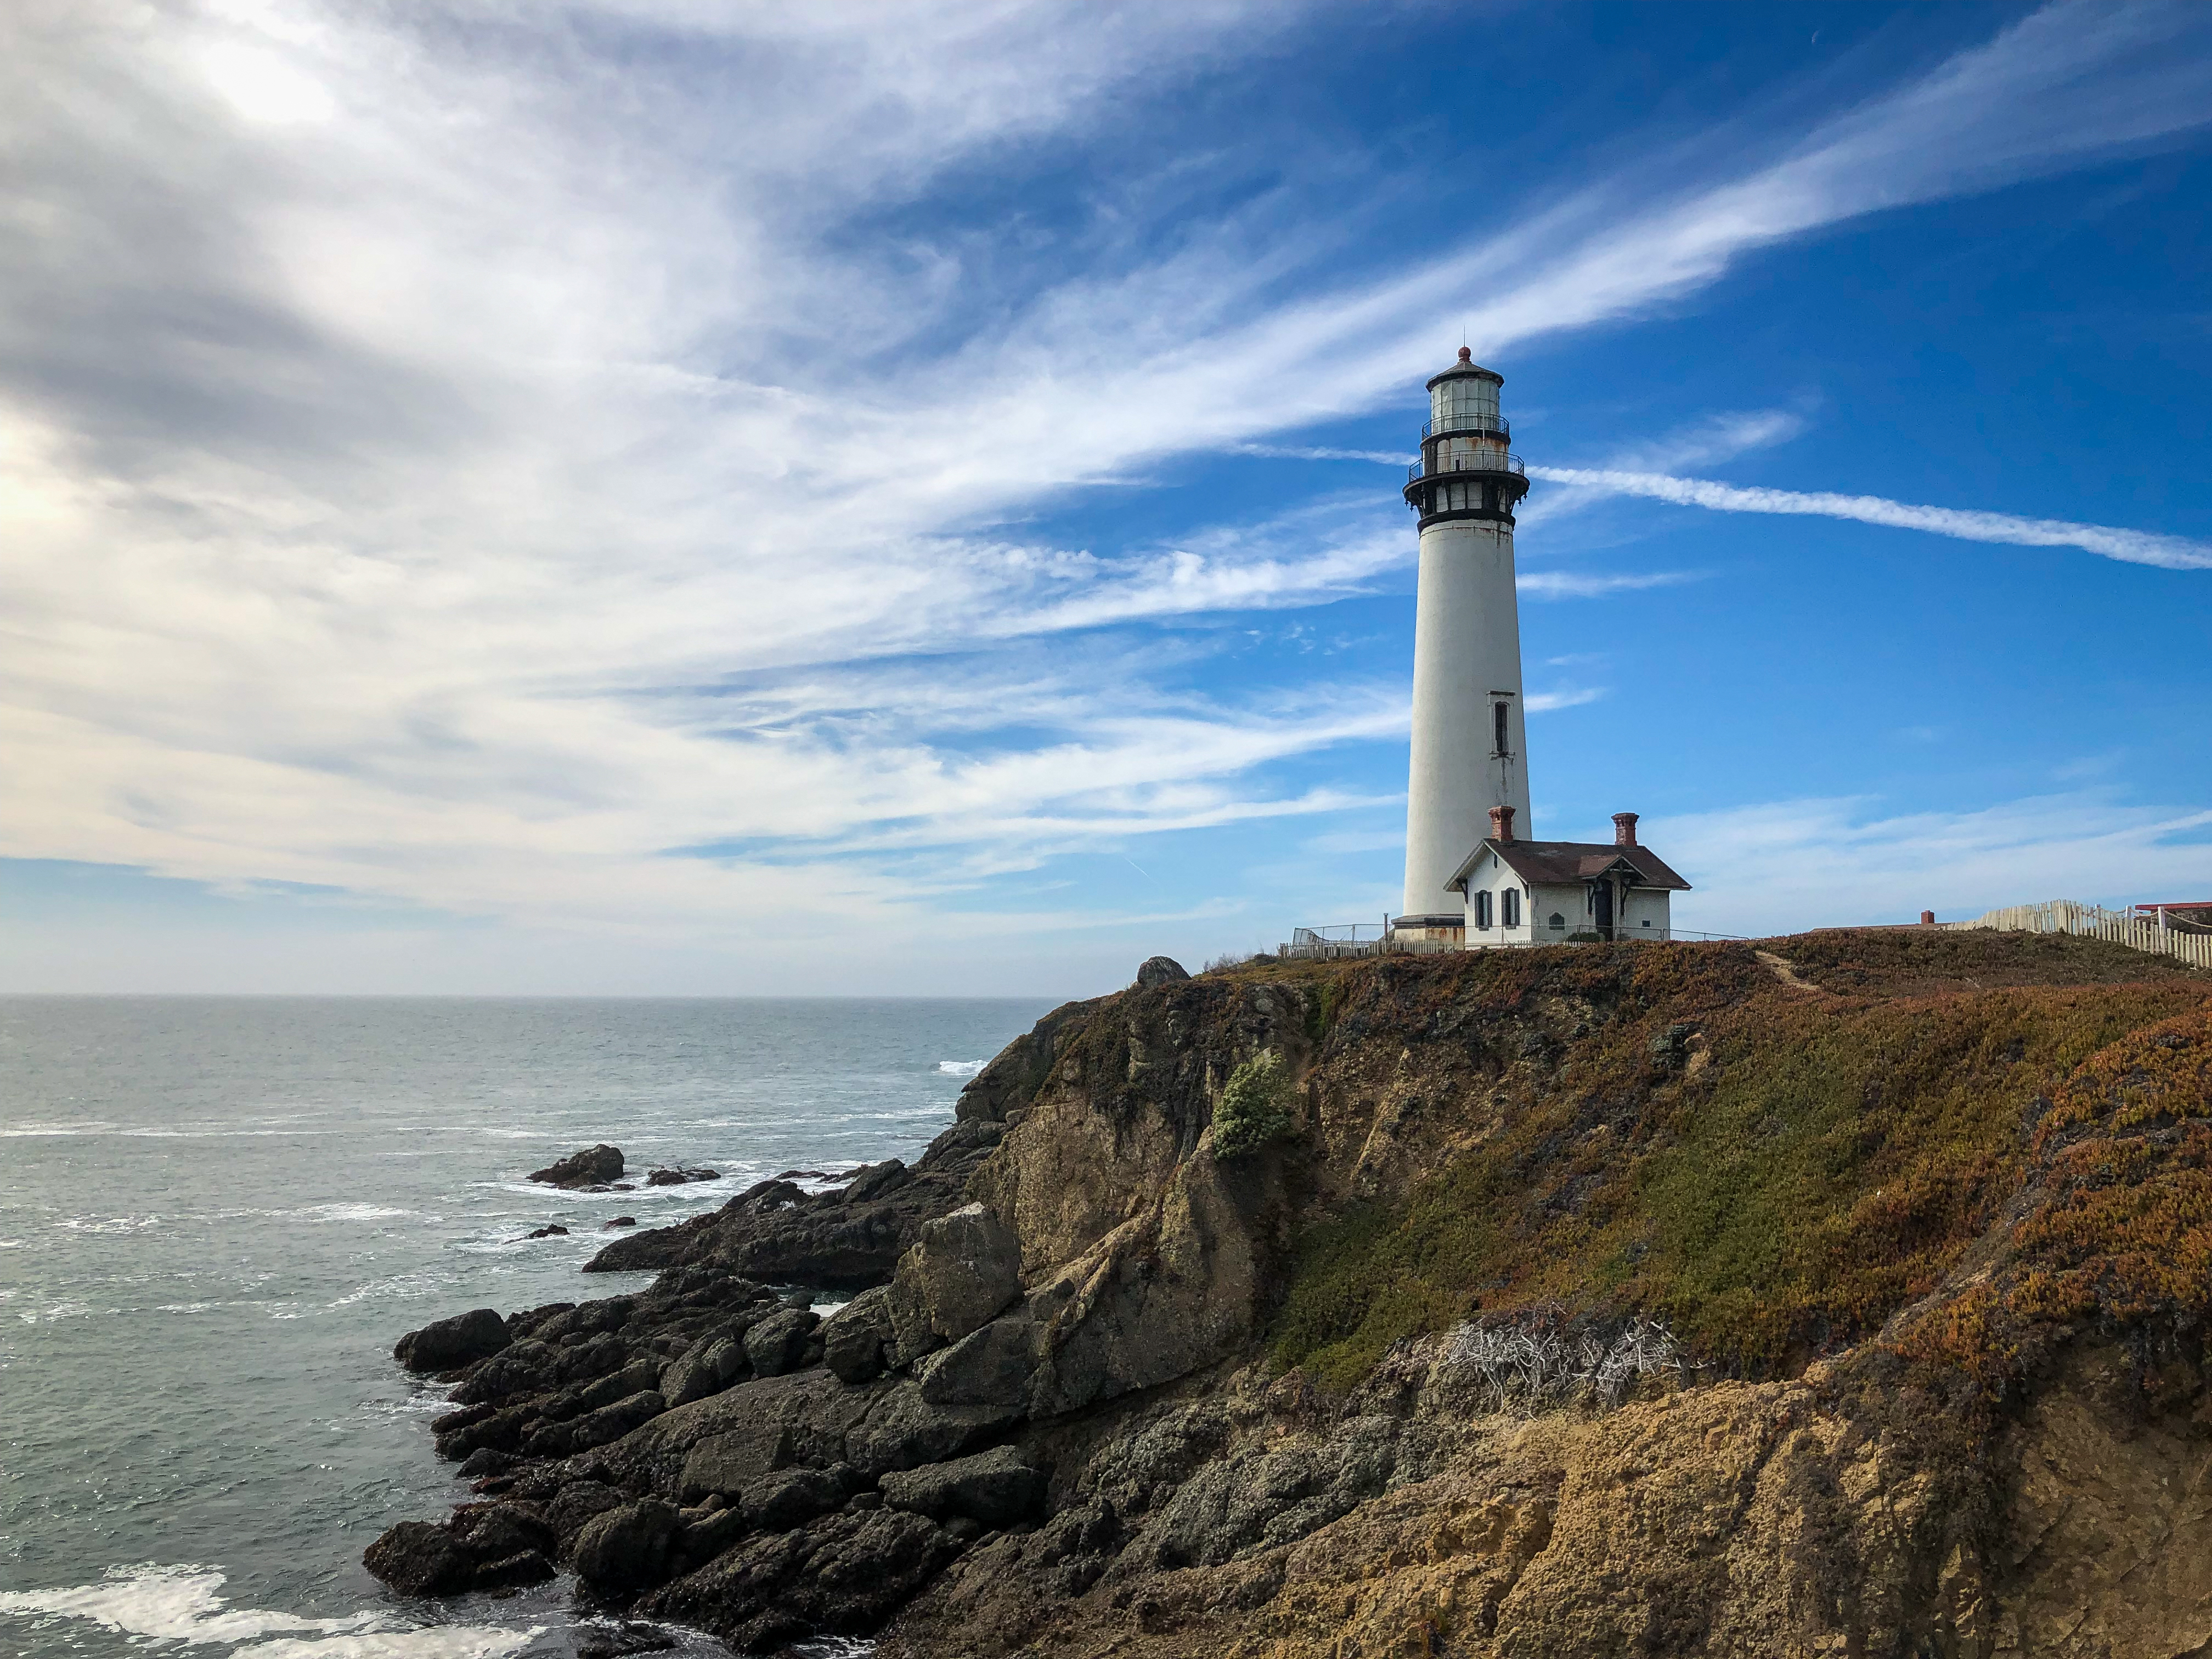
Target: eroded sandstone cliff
[[1840, 1296]]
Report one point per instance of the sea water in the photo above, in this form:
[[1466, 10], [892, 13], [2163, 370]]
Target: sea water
[[216, 1214]]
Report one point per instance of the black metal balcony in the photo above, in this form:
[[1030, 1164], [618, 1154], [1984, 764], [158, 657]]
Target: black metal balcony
[[1457, 466], [1475, 425]]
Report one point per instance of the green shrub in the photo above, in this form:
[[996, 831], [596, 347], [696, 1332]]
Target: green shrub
[[1255, 1107]]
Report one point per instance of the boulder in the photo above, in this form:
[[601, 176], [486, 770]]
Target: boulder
[[854, 1338], [843, 1574], [626, 1549], [791, 1498], [989, 1367], [619, 1221], [1159, 970], [480, 1546], [623, 1640], [677, 1178], [729, 1461], [874, 1181], [965, 1270], [707, 1366], [903, 1431], [596, 1428], [778, 1343], [555, 1232], [577, 1505], [595, 1166], [446, 1345], [996, 1488]]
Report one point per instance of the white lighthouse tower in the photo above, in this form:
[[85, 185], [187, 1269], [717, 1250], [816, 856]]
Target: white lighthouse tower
[[1469, 750]]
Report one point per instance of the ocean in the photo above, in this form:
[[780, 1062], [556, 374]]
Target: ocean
[[216, 1214]]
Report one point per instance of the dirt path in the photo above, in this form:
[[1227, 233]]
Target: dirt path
[[1782, 971]]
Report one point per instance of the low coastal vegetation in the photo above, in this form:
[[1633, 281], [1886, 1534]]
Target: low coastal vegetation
[[1773, 1174]]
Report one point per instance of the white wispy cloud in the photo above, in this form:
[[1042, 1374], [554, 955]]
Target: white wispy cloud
[[423, 431], [2131, 546], [1579, 584]]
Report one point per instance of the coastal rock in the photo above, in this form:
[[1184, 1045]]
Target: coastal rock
[[965, 1269], [677, 1178], [903, 1430], [619, 1221], [730, 1461], [555, 1230], [595, 1166], [791, 1498], [855, 1337], [843, 1575], [1159, 970], [779, 1343], [446, 1345], [995, 1487], [480, 1546], [626, 1549], [595, 1428], [993, 1367], [624, 1640], [707, 1366], [847, 1239]]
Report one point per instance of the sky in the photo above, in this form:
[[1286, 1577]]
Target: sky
[[901, 496]]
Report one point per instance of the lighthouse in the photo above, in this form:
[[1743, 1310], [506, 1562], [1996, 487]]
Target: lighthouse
[[1470, 753]]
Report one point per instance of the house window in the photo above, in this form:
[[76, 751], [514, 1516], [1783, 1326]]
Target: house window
[[1509, 904], [1497, 729], [1559, 922], [1482, 909]]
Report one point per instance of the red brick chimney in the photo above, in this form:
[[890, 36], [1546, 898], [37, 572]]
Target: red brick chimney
[[1501, 824], [1623, 828], [1927, 918]]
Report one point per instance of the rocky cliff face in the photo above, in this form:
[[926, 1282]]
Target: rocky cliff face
[[1845, 1296]]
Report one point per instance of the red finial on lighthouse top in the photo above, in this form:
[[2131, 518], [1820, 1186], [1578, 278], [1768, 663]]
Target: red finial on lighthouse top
[[1466, 355]]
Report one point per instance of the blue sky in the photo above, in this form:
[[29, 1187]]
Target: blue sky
[[655, 497]]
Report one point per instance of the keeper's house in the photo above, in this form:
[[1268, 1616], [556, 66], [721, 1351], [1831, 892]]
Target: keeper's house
[[1552, 892]]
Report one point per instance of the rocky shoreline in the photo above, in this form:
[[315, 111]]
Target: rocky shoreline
[[1105, 1386]]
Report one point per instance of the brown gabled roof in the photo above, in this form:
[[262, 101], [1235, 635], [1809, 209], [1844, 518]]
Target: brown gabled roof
[[1563, 863]]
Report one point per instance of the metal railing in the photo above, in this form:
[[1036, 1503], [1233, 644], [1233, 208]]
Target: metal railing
[[1350, 933], [1487, 426], [1456, 466]]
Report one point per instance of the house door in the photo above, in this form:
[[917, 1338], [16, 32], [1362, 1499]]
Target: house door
[[1601, 908]]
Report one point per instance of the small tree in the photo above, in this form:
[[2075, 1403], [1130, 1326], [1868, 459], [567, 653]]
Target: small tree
[[1255, 1107]]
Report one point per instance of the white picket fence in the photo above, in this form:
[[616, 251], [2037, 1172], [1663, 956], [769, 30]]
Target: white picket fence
[[2095, 921]]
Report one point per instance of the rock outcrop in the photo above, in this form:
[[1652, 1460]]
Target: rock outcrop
[[1591, 1300], [595, 1166]]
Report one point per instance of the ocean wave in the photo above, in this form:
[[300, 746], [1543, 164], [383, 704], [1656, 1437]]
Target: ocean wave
[[118, 1224], [961, 1068], [185, 1604], [345, 1212]]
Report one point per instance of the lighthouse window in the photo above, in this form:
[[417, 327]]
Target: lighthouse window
[[1482, 910], [1510, 907], [1498, 728]]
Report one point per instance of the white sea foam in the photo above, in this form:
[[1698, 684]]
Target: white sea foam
[[185, 1604], [961, 1068], [118, 1223], [346, 1213]]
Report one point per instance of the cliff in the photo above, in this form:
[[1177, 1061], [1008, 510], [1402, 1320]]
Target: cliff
[[1844, 1295]]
